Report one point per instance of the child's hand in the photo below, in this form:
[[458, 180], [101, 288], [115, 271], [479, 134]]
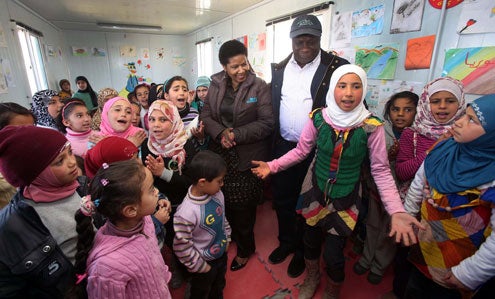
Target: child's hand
[[401, 225], [163, 215], [199, 131], [137, 138], [261, 170], [95, 138], [156, 166], [392, 152], [165, 203], [191, 94]]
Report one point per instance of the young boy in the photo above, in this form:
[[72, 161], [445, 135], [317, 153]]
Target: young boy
[[202, 233]]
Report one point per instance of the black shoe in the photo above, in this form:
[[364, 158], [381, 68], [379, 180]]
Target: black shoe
[[236, 266], [279, 255], [358, 269], [296, 266], [374, 278]]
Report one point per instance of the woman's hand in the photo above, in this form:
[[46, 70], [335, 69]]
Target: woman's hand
[[199, 132], [261, 170], [228, 138], [401, 226], [137, 138], [155, 165]]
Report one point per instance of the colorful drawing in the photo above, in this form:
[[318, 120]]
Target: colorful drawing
[[368, 22], [244, 40], [132, 79], [348, 53], [438, 3], [80, 51], [380, 61], [99, 52], [145, 54], [477, 16], [51, 51], [160, 53], [419, 51], [475, 67], [128, 51], [407, 15], [261, 41], [178, 60]]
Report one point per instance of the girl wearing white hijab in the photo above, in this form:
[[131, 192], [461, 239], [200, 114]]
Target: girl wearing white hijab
[[344, 133]]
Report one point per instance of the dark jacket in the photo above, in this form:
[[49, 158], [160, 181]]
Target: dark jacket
[[253, 118], [319, 85]]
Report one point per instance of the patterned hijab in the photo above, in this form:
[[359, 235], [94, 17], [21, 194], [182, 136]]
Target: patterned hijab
[[102, 95], [39, 106], [105, 127], [173, 145], [339, 117], [424, 122], [452, 167]]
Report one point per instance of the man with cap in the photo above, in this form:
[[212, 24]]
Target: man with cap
[[299, 85]]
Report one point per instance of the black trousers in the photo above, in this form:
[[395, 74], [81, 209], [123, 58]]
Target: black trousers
[[286, 187], [241, 222], [210, 285], [421, 287]]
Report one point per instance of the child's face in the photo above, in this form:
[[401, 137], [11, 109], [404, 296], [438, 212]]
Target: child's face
[[82, 85], [136, 115], [142, 94], [79, 119], [64, 166], [119, 116], [214, 186], [348, 92], [202, 91], [55, 106], [178, 94], [21, 120], [149, 196], [160, 125], [468, 127], [66, 86], [443, 105], [402, 112]]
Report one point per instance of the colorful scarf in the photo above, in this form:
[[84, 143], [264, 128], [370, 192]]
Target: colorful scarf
[[39, 106], [424, 122], [173, 145], [453, 167]]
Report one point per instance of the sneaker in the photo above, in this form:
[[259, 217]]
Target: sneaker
[[296, 266], [358, 269], [374, 278], [279, 255]]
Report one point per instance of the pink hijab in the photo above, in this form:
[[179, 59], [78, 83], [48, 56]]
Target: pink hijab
[[105, 127], [173, 145]]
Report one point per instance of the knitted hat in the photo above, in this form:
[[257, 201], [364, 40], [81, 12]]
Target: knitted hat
[[203, 81], [109, 150], [305, 24], [25, 151]]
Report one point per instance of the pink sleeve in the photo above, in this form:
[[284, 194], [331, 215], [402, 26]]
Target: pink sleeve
[[306, 143], [380, 170]]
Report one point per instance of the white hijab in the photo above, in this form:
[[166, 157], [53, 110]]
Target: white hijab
[[339, 117]]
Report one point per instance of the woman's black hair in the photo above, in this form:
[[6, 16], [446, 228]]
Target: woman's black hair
[[230, 49], [9, 110], [67, 109], [112, 188], [168, 84], [206, 165], [400, 95]]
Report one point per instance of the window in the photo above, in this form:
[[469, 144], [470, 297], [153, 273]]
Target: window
[[278, 42], [33, 59], [204, 54]]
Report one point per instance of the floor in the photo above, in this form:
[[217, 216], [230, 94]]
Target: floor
[[260, 279]]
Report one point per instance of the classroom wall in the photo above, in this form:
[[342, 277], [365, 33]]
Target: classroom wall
[[180, 51]]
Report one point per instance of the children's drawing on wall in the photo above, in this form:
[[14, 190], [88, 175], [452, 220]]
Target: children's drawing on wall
[[99, 52], [341, 29], [438, 3], [51, 51], [133, 79], [407, 15], [178, 60], [146, 66], [348, 53], [380, 91], [145, 54], [3, 43], [475, 67], [128, 51], [160, 53], [7, 72], [261, 41], [368, 22], [378, 61], [244, 40], [477, 16], [80, 51], [418, 53]]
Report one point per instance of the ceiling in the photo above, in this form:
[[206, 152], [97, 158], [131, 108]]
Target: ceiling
[[174, 16]]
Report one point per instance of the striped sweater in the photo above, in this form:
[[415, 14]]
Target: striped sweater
[[411, 153]]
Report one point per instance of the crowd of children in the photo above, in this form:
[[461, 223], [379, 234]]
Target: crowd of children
[[94, 227]]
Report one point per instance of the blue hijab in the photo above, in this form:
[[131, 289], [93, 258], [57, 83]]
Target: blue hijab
[[453, 167]]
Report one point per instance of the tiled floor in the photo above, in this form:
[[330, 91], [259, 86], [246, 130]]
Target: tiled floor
[[259, 279]]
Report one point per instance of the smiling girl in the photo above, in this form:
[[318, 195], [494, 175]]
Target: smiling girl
[[75, 122]]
